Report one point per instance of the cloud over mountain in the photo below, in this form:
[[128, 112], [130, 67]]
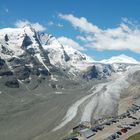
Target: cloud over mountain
[[124, 37], [69, 42], [37, 26]]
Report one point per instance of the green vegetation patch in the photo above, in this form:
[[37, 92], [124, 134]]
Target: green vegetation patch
[[135, 137], [71, 135]]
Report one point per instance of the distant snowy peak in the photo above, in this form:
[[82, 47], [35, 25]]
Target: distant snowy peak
[[13, 39], [120, 59]]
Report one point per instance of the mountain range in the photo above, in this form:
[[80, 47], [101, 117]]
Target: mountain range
[[46, 88], [25, 53]]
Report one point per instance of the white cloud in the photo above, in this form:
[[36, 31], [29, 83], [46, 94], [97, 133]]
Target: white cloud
[[37, 26], [124, 37], [69, 42], [81, 38], [80, 23], [51, 23]]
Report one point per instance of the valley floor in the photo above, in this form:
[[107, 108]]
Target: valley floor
[[46, 114]]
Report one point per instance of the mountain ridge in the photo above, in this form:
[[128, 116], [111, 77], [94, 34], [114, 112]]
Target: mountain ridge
[[27, 53]]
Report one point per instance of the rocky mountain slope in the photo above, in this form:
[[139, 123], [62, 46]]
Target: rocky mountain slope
[[47, 88], [25, 53]]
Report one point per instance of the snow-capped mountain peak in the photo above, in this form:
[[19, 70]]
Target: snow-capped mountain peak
[[64, 56], [16, 42], [120, 59]]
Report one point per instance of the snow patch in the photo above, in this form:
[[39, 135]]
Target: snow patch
[[41, 60], [57, 92], [53, 78]]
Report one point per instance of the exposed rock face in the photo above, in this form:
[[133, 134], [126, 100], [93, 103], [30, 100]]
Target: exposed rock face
[[99, 71], [4, 50], [12, 83], [7, 73], [22, 72], [4, 70], [6, 38], [93, 73], [67, 58], [2, 62], [26, 42]]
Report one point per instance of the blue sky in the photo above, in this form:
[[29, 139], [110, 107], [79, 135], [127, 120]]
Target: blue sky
[[107, 16]]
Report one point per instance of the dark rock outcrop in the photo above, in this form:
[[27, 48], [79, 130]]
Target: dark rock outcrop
[[92, 73], [2, 62], [26, 42], [6, 38], [22, 72], [66, 57], [6, 73], [13, 83]]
